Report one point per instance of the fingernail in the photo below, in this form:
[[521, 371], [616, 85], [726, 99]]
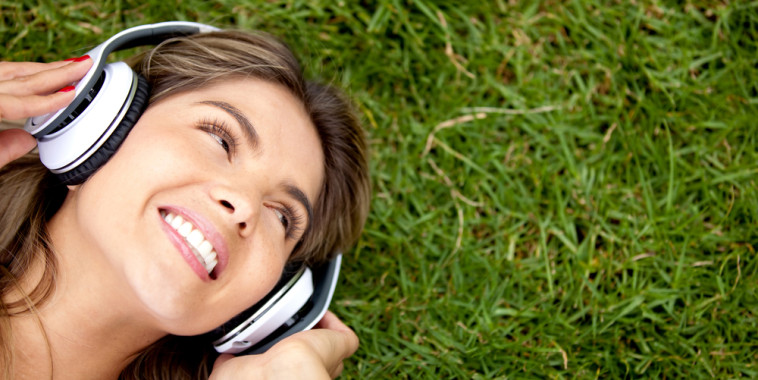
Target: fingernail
[[67, 89], [78, 59]]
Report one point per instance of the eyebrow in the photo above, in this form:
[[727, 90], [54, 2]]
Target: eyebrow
[[247, 126], [300, 196]]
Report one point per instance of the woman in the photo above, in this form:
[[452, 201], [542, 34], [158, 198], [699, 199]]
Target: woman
[[267, 167]]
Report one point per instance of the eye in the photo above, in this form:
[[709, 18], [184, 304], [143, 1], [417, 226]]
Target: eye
[[290, 219], [221, 141], [219, 131], [282, 219]]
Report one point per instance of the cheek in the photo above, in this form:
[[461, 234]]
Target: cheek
[[254, 272], [121, 189], [244, 289], [144, 158]]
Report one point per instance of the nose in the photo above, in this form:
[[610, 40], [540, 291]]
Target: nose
[[239, 208]]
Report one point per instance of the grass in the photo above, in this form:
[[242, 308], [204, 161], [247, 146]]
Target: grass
[[561, 189]]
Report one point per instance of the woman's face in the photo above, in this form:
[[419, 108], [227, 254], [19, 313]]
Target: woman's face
[[241, 164]]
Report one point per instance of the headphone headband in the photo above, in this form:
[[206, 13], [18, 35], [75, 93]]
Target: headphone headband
[[149, 34]]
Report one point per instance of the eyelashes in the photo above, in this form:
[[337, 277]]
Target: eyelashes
[[291, 220], [221, 132]]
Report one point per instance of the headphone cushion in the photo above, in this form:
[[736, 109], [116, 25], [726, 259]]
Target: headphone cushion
[[110, 146]]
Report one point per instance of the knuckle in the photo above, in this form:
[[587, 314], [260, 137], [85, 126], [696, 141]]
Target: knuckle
[[300, 348], [23, 79]]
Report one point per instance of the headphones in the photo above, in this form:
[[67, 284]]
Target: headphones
[[75, 141], [296, 303]]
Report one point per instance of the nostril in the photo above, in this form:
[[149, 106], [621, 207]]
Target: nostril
[[243, 225], [227, 205]]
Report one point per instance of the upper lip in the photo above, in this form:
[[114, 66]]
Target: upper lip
[[209, 232]]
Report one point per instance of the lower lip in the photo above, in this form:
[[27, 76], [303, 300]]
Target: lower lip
[[181, 245]]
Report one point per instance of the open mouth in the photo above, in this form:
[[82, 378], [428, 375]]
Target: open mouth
[[201, 248]]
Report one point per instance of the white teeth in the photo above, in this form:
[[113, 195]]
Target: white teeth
[[209, 256], [185, 229], [211, 263], [177, 222], [195, 237], [202, 248]]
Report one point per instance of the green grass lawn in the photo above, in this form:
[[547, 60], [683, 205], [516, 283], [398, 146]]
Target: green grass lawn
[[561, 189]]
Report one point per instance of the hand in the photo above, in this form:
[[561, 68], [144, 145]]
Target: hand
[[313, 354], [29, 89]]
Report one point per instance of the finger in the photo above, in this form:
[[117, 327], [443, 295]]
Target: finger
[[14, 143], [333, 347], [10, 70], [337, 371], [332, 341], [19, 107], [46, 81], [350, 340], [332, 322]]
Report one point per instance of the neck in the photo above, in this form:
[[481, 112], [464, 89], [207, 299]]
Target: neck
[[89, 325]]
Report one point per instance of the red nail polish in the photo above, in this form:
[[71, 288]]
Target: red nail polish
[[78, 59], [67, 89]]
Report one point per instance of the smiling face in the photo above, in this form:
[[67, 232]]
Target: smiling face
[[224, 174]]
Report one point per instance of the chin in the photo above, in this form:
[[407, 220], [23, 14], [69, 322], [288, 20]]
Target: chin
[[179, 313]]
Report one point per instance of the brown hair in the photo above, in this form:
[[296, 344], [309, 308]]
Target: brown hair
[[179, 65]]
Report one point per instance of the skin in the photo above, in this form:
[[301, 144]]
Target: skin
[[28, 89], [112, 223]]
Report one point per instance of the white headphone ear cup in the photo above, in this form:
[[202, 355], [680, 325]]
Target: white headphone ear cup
[[88, 125], [100, 156], [273, 317], [254, 324]]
